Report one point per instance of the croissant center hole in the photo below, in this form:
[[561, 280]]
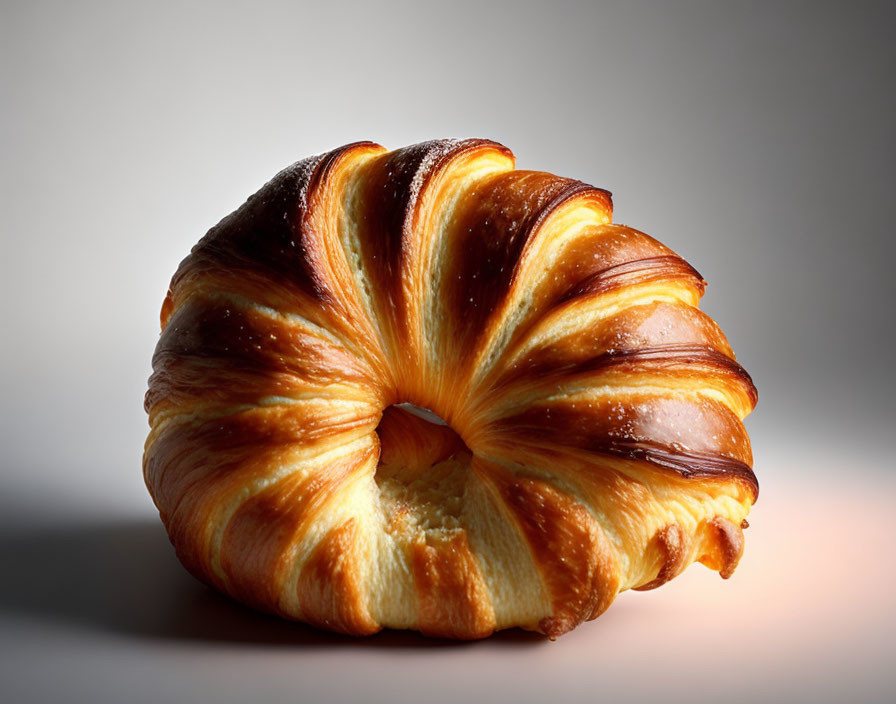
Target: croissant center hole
[[423, 471]]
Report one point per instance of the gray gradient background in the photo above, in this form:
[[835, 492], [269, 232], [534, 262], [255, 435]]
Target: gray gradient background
[[756, 139]]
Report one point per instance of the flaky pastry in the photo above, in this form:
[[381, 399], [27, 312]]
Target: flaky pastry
[[593, 439]]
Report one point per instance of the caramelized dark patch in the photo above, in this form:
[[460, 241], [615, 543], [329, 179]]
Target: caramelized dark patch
[[633, 273], [601, 259], [330, 589], [265, 235], [453, 600], [269, 251], [391, 191], [489, 235], [694, 439], [671, 360], [596, 248], [688, 464], [658, 324]]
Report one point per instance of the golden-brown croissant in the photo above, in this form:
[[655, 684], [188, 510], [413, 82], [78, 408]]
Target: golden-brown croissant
[[594, 438]]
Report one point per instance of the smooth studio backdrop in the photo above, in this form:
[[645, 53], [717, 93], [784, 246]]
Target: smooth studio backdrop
[[756, 139]]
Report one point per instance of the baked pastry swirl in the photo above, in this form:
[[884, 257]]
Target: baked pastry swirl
[[594, 439]]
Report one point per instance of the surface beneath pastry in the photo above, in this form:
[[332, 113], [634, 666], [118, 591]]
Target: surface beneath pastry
[[103, 604]]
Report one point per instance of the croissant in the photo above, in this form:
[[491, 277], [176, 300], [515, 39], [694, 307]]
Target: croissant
[[592, 439]]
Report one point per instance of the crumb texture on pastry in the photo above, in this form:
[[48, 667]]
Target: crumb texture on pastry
[[594, 438]]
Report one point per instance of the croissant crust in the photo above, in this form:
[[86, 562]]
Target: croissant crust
[[593, 442]]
